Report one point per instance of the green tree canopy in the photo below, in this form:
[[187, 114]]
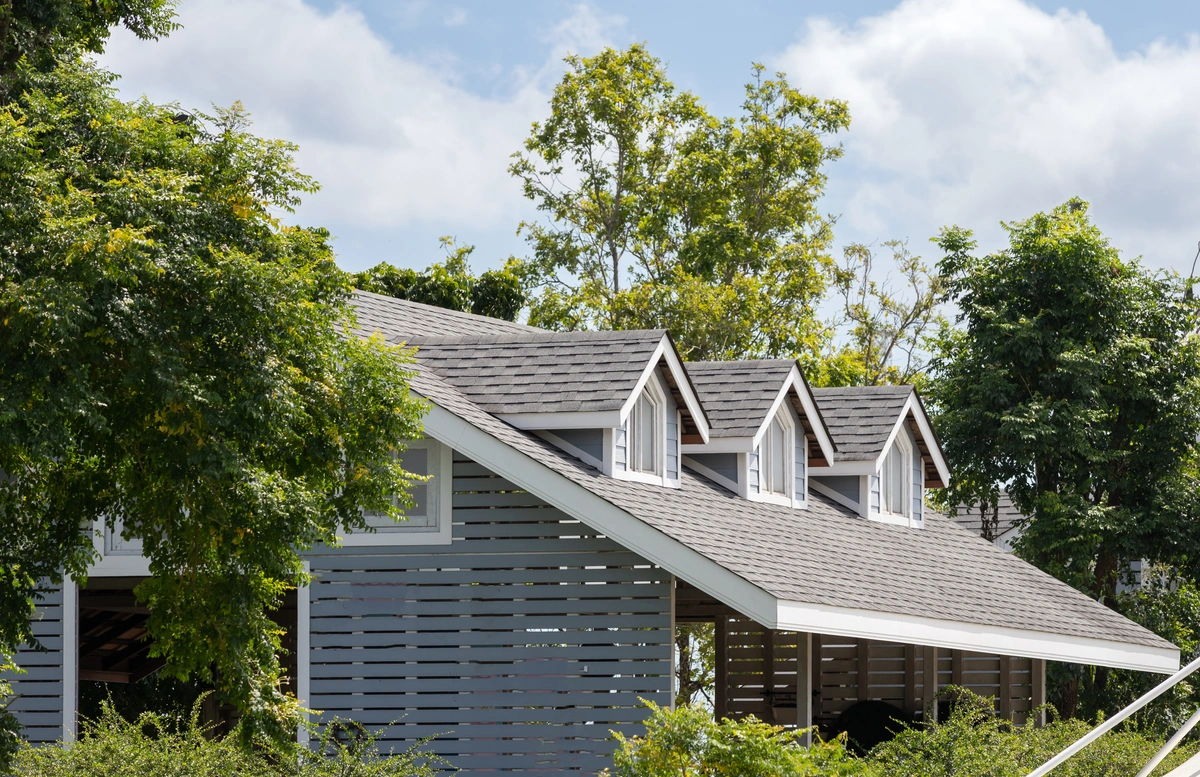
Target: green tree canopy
[[173, 355], [1074, 381], [659, 214], [43, 32], [451, 284]]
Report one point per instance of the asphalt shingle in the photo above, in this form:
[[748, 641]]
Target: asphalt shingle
[[860, 418], [737, 395]]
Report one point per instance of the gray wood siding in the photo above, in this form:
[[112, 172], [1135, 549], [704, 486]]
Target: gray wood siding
[[620, 453], [724, 464], [519, 646], [752, 471], [846, 485], [39, 704], [801, 467], [590, 441], [874, 486], [673, 445]]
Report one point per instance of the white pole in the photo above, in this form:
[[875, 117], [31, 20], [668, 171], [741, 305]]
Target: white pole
[[1116, 720], [1170, 745]]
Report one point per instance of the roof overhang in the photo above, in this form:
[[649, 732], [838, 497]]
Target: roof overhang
[[756, 603]]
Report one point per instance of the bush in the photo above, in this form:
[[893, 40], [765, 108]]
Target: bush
[[974, 742], [151, 746], [687, 742]]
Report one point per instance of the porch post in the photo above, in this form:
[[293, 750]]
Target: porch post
[[804, 710]]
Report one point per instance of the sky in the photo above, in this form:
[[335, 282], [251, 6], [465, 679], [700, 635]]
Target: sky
[[968, 112]]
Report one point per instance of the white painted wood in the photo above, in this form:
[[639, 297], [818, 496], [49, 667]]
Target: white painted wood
[[892, 627], [303, 656], [1189, 768], [70, 659], [665, 351]]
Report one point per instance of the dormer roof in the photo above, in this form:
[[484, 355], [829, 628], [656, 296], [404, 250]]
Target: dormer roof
[[741, 397], [865, 419]]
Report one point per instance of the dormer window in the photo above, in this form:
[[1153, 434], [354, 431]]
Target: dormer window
[[893, 486], [777, 465], [645, 423]]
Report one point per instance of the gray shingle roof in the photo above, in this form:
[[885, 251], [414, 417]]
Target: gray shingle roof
[[543, 372], [827, 556], [860, 418], [1007, 516], [402, 319], [737, 395]]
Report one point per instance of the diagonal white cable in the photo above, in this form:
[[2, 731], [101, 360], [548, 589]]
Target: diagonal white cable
[[1117, 719]]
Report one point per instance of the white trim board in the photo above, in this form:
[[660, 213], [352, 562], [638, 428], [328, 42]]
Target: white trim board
[[70, 658], [752, 601], [690, 400], [919, 630]]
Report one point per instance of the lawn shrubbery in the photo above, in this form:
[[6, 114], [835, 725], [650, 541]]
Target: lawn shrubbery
[[972, 742], [156, 746], [685, 742]]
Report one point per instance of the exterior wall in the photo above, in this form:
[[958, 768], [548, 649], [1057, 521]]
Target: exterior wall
[[724, 464], [752, 470], [918, 480], [590, 441], [846, 485], [39, 702], [519, 646]]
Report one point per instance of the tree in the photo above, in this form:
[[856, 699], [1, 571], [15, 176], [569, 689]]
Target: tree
[[1075, 382], [696, 661], [43, 32], [659, 214], [175, 356], [887, 330], [450, 284]]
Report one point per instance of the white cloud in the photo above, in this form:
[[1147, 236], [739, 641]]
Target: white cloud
[[394, 141], [973, 111]]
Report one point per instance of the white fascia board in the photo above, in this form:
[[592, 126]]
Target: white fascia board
[[721, 445], [935, 451], [601, 515], [867, 467], [664, 352], [599, 419], [917, 630], [795, 383]]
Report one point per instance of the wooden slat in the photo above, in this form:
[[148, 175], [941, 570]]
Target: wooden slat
[[863, 673]]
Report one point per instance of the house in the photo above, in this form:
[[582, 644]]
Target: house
[[588, 492]]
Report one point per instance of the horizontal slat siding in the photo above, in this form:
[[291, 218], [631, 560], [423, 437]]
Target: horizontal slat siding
[[519, 646], [39, 690]]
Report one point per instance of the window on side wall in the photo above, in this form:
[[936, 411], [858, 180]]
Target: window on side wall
[[429, 520], [893, 480], [775, 445]]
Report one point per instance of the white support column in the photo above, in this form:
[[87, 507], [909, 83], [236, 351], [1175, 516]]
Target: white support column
[[303, 643], [804, 689], [674, 658], [70, 657]]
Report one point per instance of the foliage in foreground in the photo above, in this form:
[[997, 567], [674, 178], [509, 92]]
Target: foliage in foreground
[[152, 746], [173, 354], [688, 742], [971, 742]]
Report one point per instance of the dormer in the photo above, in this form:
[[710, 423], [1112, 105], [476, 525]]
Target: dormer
[[619, 401], [887, 453], [767, 431]]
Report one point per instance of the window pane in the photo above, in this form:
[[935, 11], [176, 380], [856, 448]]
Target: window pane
[[416, 461], [647, 429], [895, 480], [777, 458]]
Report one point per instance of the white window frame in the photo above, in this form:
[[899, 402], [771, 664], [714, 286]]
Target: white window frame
[[788, 497], [439, 502], [653, 388], [112, 560], [900, 441]]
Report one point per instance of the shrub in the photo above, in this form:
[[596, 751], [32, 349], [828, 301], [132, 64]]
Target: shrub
[[153, 745], [687, 742], [974, 742]]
